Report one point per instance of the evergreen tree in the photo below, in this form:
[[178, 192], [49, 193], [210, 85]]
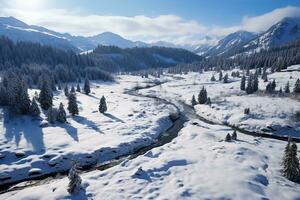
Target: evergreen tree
[[102, 105], [297, 87], [213, 78], [59, 86], [23, 99], [86, 86], [34, 109], [255, 83], [3, 95], [45, 97], [220, 75], [72, 89], [243, 83], [194, 102], [74, 180], [202, 97], [61, 116], [234, 135], [228, 138], [66, 91], [273, 85], [249, 85], [225, 78], [78, 88], [287, 88], [72, 105], [291, 168]]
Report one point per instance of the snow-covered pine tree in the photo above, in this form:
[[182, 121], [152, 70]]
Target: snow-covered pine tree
[[202, 97], [213, 78], [287, 88], [254, 83], [297, 87], [66, 90], [78, 89], [23, 98], [220, 75], [74, 180], [286, 152], [102, 105], [273, 85], [228, 138], [291, 168], [225, 80], [86, 86], [61, 115], [243, 83], [45, 97], [72, 105], [234, 135], [34, 109], [193, 101], [249, 89], [72, 89]]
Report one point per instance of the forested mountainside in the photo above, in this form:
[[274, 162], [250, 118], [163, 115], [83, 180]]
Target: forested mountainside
[[113, 58]]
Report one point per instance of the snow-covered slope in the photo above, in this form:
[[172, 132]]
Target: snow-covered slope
[[285, 31], [230, 42]]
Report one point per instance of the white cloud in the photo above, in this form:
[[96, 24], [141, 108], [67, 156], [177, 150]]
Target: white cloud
[[170, 28]]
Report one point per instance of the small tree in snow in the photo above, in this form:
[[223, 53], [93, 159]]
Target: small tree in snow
[[234, 135], [74, 180], [227, 138], [213, 78], [45, 97], [86, 87], [78, 88], [102, 105], [291, 168], [287, 88], [72, 105], [72, 89], [297, 87], [220, 75], [61, 116], [34, 109], [66, 90], [225, 80], [243, 83], [194, 102], [202, 97]]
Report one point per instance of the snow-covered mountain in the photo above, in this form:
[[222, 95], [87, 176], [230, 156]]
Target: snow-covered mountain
[[285, 31], [231, 42], [20, 31]]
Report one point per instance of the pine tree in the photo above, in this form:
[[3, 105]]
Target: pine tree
[[213, 78], [75, 180], [66, 91], [23, 98], [194, 102], [243, 83], [72, 105], [291, 168], [220, 75], [61, 116], [249, 85], [78, 89], [72, 89], [273, 85], [297, 86], [234, 135], [59, 86], [254, 83], [102, 105], [228, 138], [86, 86], [225, 78], [287, 88], [45, 97], [202, 97], [34, 109], [286, 152], [3, 95]]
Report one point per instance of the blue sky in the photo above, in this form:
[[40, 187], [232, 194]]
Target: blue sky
[[180, 22]]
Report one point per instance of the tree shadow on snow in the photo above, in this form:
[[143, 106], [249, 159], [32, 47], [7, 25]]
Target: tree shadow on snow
[[113, 117], [29, 128], [86, 122], [73, 132]]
